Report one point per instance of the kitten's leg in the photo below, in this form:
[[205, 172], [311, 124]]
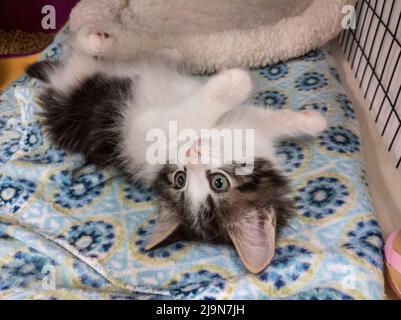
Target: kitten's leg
[[276, 124], [219, 95], [311, 122], [291, 123], [94, 41], [228, 89]]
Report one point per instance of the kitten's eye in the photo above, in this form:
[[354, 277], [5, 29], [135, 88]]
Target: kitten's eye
[[179, 179], [219, 183]]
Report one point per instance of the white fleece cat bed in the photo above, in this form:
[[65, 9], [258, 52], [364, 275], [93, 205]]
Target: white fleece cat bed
[[213, 34], [88, 226]]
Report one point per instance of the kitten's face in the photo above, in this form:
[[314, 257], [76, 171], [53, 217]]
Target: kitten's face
[[213, 203]]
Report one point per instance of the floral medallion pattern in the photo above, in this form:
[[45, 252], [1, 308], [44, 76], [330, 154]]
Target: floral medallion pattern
[[271, 99], [203, 284], [365, 241], [291, 154], [311, 81], [290, 264], [93, 226], [77, 192], [339, 139], [346, 105], [275, 72], [32, 137], [314, 55], [8, 149], [24, 269], [167, 253], [14, 193], [322, 196], [93, 239]]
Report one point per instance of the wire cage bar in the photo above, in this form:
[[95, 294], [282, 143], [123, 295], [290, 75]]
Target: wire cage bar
[[373, 50]]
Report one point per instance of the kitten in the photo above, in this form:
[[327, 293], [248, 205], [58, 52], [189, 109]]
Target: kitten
[[105, 110]]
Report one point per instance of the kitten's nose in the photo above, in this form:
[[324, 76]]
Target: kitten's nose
[[194, 154], [202, 153], [194, 157]]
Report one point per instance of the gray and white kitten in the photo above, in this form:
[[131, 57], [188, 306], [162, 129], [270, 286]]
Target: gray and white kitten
[[105, 109]]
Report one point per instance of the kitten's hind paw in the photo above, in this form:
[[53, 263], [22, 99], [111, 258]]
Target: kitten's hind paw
[[94, 41], [311, 122]]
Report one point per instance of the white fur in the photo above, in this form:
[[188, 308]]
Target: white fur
[[161, 94]]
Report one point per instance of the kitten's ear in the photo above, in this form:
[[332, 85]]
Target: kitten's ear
[[254, 238], [166, 224]]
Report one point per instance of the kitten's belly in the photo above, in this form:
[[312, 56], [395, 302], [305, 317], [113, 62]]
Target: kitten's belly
[[160, 90]]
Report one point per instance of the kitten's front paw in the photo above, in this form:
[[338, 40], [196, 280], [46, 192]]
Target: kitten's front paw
[[311, 122], [231, 87], [94, 42]]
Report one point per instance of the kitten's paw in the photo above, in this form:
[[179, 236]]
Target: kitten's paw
[[311, 122], [231, 87], [100, 42], [94, 42]]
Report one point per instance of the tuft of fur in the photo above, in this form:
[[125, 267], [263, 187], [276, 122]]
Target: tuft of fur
[[85, 119], [42, 69]]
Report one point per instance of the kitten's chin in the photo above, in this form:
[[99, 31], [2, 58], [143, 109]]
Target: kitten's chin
[[204, 235], [215, 238]]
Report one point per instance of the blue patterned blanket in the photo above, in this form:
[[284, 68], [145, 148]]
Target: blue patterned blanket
[[69, 230]]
